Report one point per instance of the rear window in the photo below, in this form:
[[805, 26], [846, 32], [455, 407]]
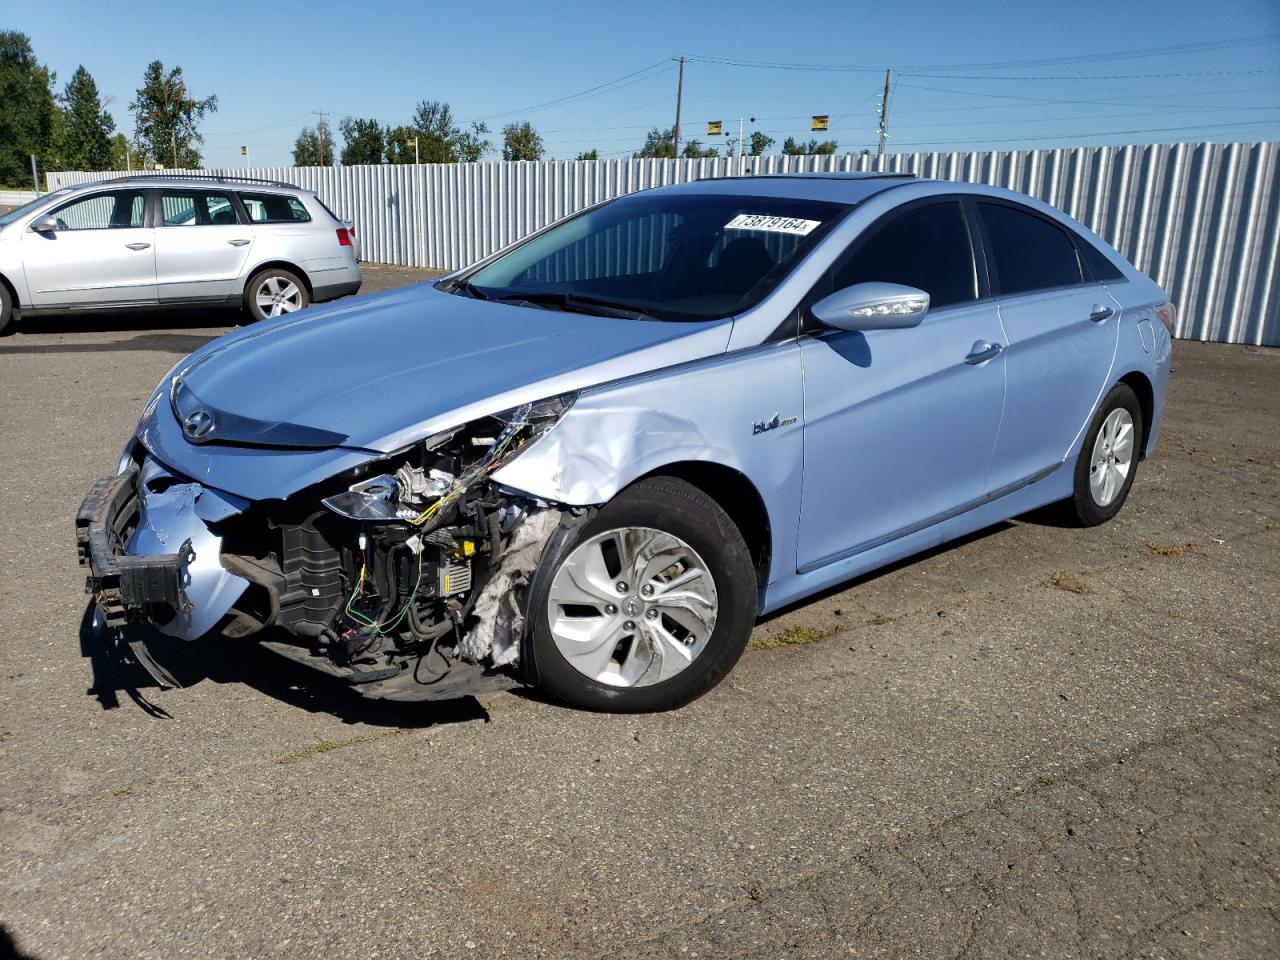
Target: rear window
[[1098, 264], [1030, 253], [274, 208], [196, 208]]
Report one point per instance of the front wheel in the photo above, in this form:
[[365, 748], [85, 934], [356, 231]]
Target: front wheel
[[649, 605], [273, 292], [1108, 459]]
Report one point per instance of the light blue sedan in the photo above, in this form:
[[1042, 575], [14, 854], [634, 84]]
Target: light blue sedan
[[591, 461]]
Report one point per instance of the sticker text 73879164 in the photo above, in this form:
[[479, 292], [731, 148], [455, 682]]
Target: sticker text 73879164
[[760, 221]]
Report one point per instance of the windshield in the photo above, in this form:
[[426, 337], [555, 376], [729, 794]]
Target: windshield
[[16, 212], [660, 256]]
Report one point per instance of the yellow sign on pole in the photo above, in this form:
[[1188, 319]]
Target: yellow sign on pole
[[713, 128], [819, 122]]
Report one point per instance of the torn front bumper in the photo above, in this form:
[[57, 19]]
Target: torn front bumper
[[151, 555]]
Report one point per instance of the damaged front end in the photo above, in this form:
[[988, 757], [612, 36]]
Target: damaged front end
[[407, 575]]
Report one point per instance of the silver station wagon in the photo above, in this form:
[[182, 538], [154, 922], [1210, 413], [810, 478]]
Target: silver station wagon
[[183, 241]]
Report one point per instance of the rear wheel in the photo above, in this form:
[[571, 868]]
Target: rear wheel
[[649, 606], [6, 310], [1108, 459], [273, 292]]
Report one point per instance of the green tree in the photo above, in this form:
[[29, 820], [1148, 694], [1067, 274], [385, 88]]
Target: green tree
[[27, 109], [658, 143], [85, 139], [812, 148], [364, 141], [440, 140], [759, 143], [398, 143], [168, 117], [694, 150], [314, 146], [589, 155], [521, 142], [121, 152]]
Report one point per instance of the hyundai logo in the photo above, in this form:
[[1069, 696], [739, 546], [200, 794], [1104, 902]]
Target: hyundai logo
[[198, 425]]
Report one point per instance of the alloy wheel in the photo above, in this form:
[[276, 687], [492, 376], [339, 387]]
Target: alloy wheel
[[1112, 457], [277, 295], [632, 607]]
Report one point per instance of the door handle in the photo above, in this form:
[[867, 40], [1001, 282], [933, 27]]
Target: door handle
[[1100, 313], [237, 243], [137, 246], [983, 351]]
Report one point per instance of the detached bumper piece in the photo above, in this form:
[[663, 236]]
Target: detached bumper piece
[[128, 589]]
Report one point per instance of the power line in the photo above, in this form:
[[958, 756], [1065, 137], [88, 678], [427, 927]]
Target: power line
[[1113, 76], [600, 88], [1131, 54], [1095, 133]]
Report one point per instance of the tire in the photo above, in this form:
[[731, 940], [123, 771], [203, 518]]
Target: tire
[[659, 663], [1109, 455], [6, 311], [274, 282]]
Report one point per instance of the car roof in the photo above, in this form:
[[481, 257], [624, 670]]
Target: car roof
[[188, 182], [836, 187]]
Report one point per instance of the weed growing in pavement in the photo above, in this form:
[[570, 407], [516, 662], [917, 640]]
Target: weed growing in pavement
[[324, 746], [791, 637], [1065, 581], [1169, 549]]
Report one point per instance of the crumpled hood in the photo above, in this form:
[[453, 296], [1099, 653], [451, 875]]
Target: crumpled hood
[[382, 370]]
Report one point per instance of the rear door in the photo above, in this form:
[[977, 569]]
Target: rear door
[[1062, 329], [202, 243], [101, 254], [899, 424]]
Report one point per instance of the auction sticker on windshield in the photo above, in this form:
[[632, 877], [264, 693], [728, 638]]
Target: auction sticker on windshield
[[759, 221]]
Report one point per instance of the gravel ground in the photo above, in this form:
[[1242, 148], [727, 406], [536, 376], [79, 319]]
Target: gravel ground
[[1036, 742]]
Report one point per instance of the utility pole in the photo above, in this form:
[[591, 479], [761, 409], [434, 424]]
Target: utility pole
[[173, 137], [740, 146], [419, 210], [884, 111], [320, 128], [679, 97], [35, 177]]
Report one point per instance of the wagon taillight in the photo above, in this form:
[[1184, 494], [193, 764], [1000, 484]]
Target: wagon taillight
[[1168, 315]]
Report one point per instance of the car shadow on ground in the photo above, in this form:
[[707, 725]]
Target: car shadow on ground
[[158, 330], [223, 660], [879, 572]]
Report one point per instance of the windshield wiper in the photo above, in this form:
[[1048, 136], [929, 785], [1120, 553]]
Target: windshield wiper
[[465, 286], [578, 303]]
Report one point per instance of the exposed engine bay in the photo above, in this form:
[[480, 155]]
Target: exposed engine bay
[[407, 576]]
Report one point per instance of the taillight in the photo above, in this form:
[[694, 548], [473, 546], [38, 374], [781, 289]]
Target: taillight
[[1168, 315], [344, 237]]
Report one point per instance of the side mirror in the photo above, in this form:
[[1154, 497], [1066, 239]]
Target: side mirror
[[44, 225], [873, 306]]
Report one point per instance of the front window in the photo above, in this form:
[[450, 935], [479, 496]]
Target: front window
[[664, 256], [119, 209], [19, 212]]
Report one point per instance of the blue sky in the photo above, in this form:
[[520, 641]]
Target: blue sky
[[272, 64]]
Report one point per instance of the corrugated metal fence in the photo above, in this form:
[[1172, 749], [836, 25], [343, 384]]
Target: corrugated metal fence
[[1202, 219]]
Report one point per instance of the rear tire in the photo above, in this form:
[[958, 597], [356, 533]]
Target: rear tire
[[648, 637], [274, 292], [6, 311], [1108, 460]]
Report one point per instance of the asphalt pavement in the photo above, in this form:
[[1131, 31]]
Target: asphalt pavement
[[1037, 742]]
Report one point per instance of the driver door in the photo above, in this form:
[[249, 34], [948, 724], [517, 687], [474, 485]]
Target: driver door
[[900, 424], [102, 253]]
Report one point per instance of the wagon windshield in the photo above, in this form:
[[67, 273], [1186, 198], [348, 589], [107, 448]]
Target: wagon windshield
[[663, 256]]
